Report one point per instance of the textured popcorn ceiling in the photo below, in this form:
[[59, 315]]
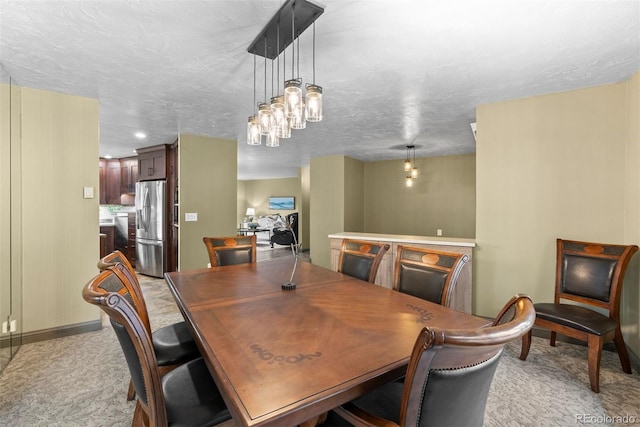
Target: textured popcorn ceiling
[[393, 71]]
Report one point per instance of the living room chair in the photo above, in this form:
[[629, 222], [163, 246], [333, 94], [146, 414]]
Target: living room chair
[[361, 259], [185, 396], [289, 235], [173, 344], [448, 377], [591, 275], [428, 274], [231, 250]]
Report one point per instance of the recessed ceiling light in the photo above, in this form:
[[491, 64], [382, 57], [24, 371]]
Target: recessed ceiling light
[[135, 151], [107, 156], [141, 135]]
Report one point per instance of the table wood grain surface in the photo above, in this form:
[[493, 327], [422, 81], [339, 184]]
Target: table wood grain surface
[[283, 357]]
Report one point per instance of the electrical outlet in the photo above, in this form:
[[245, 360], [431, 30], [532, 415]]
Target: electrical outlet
[[14, 326], [439, 232], [5, 327], [208, 265]]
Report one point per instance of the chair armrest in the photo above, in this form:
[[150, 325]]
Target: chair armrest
[[360, 418]]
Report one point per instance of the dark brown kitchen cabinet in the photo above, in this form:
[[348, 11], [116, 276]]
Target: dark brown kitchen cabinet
[[110, 237], [109, 181], [128, 175], [131, 244], [152, 163]]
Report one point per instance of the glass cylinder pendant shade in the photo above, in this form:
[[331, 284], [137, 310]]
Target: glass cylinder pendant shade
[[414, 172], [409, 182], [407, 165], [298, 120], [284, 131], [292, 96], [272, 138], [253, 131], [264, 116], [314, 103], [278, 117]]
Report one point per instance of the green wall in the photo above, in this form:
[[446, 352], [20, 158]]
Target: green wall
[[443, 197], [208, 170], [559, 165], [55, 232]]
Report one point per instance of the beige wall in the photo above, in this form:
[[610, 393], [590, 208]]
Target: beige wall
[[631, 292], [553, 166], [353, 195], [10, 216], [60, 242], [208, 173], [305, 187], [257, 193], [326, 205], [443, 197]]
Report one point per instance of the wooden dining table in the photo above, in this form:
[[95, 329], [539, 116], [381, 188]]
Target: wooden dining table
[[285, 357]]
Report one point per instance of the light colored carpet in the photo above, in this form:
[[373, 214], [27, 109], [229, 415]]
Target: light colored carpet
[[81, 381]]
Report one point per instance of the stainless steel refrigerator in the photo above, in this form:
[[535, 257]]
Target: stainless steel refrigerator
[[151, 252]]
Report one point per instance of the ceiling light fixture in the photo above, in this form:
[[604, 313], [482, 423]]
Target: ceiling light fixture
[[290, 109], [410, 168], [253, 124]]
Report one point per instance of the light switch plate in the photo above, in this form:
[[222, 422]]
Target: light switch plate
[[87, 192], [191, 216]]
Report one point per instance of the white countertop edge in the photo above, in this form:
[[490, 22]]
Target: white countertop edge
[[400, 238]]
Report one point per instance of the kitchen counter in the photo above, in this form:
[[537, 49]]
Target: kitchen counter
[[406, 239]]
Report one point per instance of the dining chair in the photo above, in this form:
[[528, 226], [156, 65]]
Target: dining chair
[[591, 276], [361, 259], [427, 273], [187, 395], [173, 344], [231, 250], [448, 377]]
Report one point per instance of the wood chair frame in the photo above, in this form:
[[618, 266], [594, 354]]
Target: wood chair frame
[[450, 263], [363, 249], [439, 349], [622, 255], [231, 243]]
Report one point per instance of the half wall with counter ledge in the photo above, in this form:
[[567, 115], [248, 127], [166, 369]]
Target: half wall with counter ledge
[[462, 296]]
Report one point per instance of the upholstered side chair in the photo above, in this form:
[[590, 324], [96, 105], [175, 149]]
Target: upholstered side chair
[[448, 378], [361, 259], [185, 396], [173, 344], [231, 250], [427, 273], [590, 275]]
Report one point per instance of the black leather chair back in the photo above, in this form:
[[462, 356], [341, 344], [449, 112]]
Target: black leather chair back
[[587, 276], [231, 250], [428, 274], [233, 256], [360, 259], [133, 361], [422, 282], [357, 266]]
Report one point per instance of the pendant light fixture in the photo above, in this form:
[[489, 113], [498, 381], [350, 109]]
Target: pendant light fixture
[[279, 119], [298, 118], [253, 124], [292, 88], [264, 109], [290, 109], [314, 93], [410, 169]]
